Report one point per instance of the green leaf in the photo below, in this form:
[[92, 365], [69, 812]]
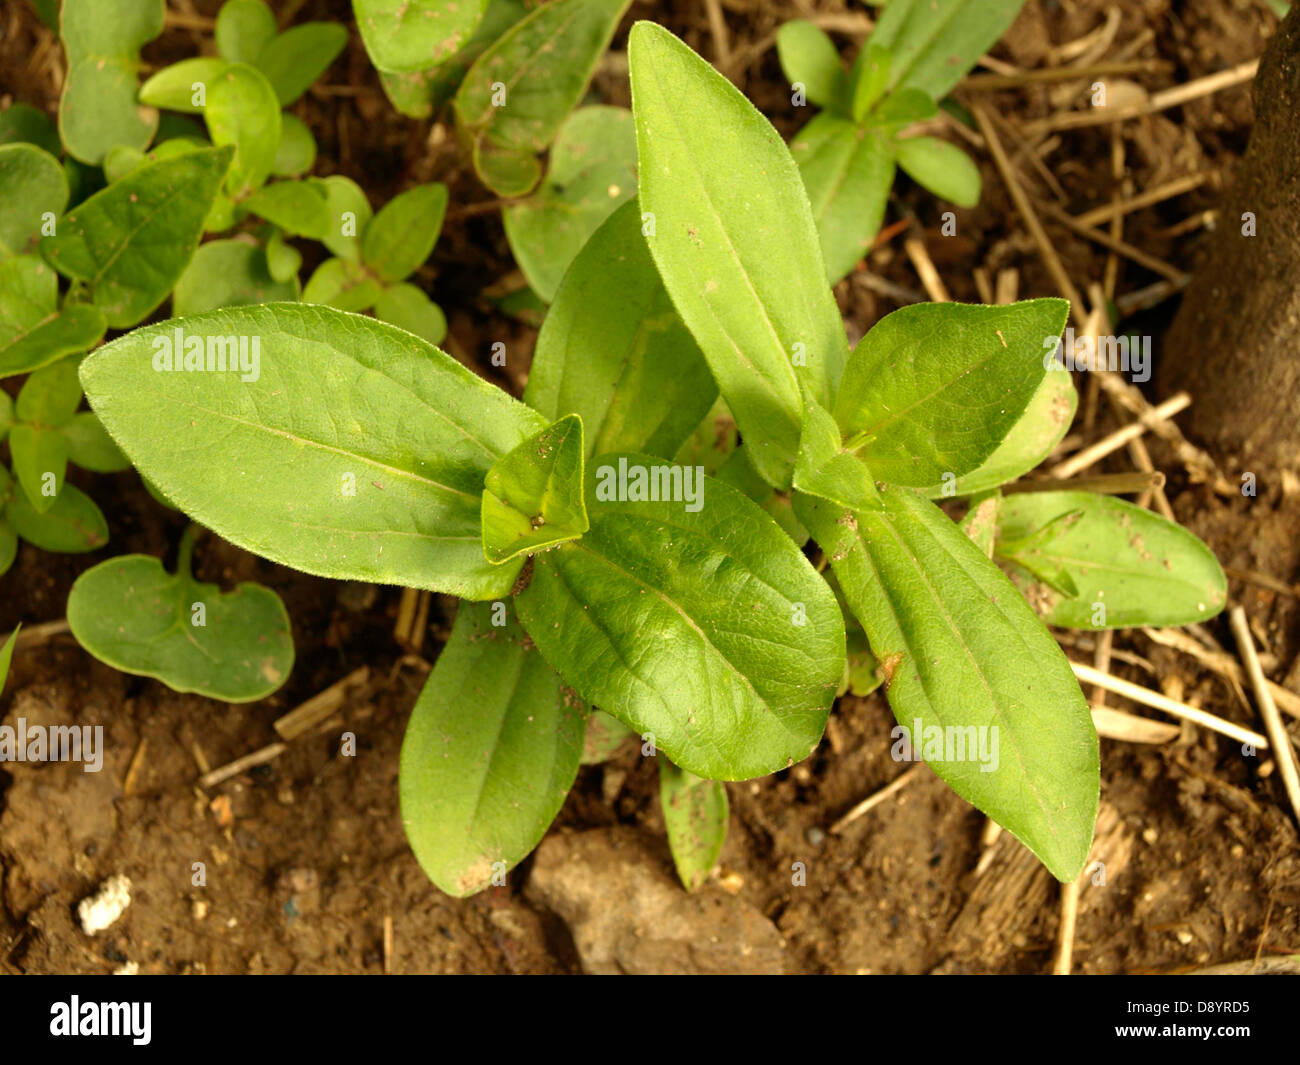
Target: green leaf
[[389, 441], [1136, 566], [244, 28], [7, 651], [73, 524], [605, 738], [135, 616], [183, 86], [25, 124], [283, 260], [961, 651], [350, 213], [515, 96], [75, 329], [33, 191], [297, 207], [613, 349], [90, 446], [406, 35], [228, 273], [50, 396], [131, 241], [1031, 440], [699, 622], [695, 815], [936, 42], [809, 58], [848, 173], [98, 109], [942, 168], [8, 546], [123, 159], [409, 308], [6, 414], [900, 110], [293, 60], [39, 454], [735, 243], [933, 389], [244, 112], [342, 285], [737, 471], [592, 173], [297, 151], [29, 292], [824, 468], [491, 750], [400, 237], [533, 497], [868, 79]]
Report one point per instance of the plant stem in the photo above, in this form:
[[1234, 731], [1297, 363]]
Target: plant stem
[[185, 552]]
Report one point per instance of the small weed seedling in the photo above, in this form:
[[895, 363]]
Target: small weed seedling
[[601, 571]]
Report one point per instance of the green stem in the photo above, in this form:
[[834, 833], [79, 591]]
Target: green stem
[[185, 553]]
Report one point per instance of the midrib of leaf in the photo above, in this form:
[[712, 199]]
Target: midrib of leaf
[[1105, 567], [766, 319], [295, 438], [524, 67], [481, 788], [941, 608], [929, 40]]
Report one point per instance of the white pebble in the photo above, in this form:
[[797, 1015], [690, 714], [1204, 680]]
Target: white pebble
[[102, 909]]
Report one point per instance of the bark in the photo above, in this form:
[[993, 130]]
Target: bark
[[1235, 343]]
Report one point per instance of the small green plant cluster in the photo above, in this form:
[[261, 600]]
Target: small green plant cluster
[[706, 516], [847, 154]]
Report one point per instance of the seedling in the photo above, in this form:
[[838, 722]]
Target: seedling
[[848, 153]]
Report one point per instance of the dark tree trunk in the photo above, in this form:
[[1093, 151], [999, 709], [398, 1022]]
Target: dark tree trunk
[[1235, 343]]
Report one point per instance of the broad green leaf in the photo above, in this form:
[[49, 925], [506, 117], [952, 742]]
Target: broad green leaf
[[50, 396], [809, 58], [848, 173], [294, 59], [228, 273], [7, 651], [518, 92], [420, 93], [491, 750], [40, 460], [350, 213], [402, 234], [283, 261], [737, 471], [297, 151], [696, 621], [131, 241], [33, 193], [936, 42], [29, 293], [388, 439], [342, 285], [605, 737], [90, 446], [1129, 566], [72, 525], [135, 616], [297, 207], [824, 468], [407, 307], [244, 28], [123, 159], [533, 497], [940, 167], [1031, 440], [613, 349], [183, 86], [23, 124], [33, 332], [98, 109], [965, 660], [406, 35], [695, 815], [243, 112], [868, 80], [735, 243], [933, 389], [592, 172]]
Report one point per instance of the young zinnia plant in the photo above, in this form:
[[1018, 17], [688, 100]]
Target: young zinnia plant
[[601, 572]]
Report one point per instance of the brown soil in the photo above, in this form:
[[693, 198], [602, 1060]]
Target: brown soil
[[305, 857]]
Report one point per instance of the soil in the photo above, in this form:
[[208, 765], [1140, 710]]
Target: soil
[[304, 859]]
